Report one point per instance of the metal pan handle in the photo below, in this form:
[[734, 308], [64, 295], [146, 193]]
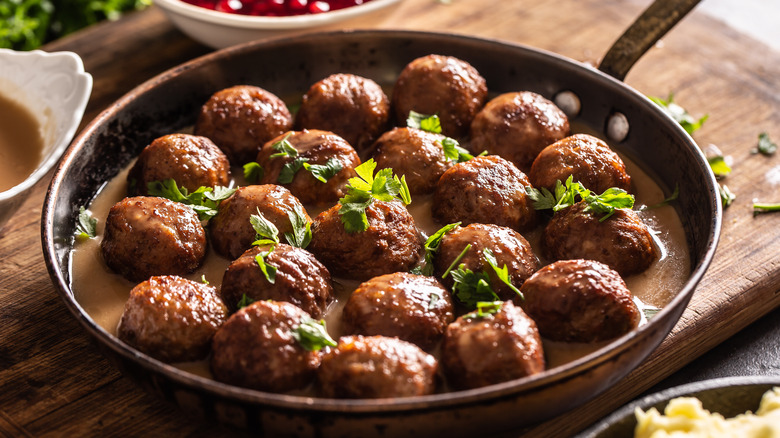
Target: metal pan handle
[[654, 23]]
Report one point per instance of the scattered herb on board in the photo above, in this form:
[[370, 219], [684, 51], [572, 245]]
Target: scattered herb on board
[[566, 194], [689, 123], [765, 145], [363, 189], [727, 197], [204, 200], [763, 207], [484, 309], [431, 123], [312, 335], [322, 172], [86, 225], [431, 246]]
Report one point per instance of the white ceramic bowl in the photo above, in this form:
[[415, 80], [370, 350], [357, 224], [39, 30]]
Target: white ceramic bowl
[[220, 29], [55, 89]]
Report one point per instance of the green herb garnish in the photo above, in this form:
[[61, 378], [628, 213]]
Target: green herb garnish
[[566, 195], [312, 335], [430, 123], [763, 207], [431, 246], [289, 170], [253, 172], [244, 301], [689, 123], [726, 195], [86, 225], [669, 199], [472, 287], [456, 261], [324, 172], [765, 145], [266, 232], [501, 273], [269, 271], [204, 200], [719, 166], [203, 279], [300, 236], [485, 309], [363, 189]]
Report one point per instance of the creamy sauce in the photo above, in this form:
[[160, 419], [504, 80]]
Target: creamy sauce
[[21, 143], [102, 293]]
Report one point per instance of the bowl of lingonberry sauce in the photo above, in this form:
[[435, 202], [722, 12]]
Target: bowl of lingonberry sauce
[[223, 23]]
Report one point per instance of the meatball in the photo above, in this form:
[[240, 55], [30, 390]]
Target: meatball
[[256, 349], [231, 231], [350, 106], [415, 153], [392, 242], [192, 161], [579, 301], [517, 126], [480, 351], [316, 148], [300, 279], [586, 158], [507, 245], [411, 307], [622, 241], [442, 85], [240, 119], [488, 190], [376, 367], [147, 236], [171, 318]]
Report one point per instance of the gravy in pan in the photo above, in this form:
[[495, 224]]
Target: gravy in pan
[[102, 293]]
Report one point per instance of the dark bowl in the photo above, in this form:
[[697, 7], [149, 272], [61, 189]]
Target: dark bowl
[[728, 396], [287, 67]]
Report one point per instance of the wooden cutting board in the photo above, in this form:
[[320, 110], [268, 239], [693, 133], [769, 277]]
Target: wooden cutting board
[[54, 382]]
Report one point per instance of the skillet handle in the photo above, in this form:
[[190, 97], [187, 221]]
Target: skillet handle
[[654, 23]]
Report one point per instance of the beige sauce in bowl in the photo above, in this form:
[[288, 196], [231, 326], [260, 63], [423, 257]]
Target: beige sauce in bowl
[[21, 143]]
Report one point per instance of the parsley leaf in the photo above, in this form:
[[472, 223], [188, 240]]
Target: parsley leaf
[[312, 334], [472, 287], [727, 197], [266, 232], [501, 273], [430, 123], [244, 301], [432, 245], [453, 151], [204, 200], [203, 279], [763, 207], [485, 309], [765, 145], [719, 166], [324, 172], [284, 148], [301, 234], [86, 225], [289, 170], [269, 271], [364, 188], [253, 172], [566, 195], [689, 123], [669, 199]]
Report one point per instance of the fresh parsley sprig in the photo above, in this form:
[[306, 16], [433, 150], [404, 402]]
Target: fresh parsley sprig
[[86, 225], [204, 200], [253, 172], [322, 172], [689, 123], [765, 145], [472, 287], [501, 273], [485, 309], [566, 195], [431, 247], [431, 123], [312, 335], [363, 189], [266, 233], [300, 236]]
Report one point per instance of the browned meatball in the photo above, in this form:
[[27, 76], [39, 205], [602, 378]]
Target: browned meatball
[[300, 279], [411, 307], [348, 105], [588, 159], [240, 119], [171, 318], [517, 126], [376, 367], [443, 85], [507, 245], [192, 161], [488, 190], [316, 147], [415, 153], [231, 231], [147, 236], [622, 241], [392, 242], [481, 351], [579, 301], [256, 349]]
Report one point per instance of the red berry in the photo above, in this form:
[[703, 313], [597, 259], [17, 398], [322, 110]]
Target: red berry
[[319, 7]]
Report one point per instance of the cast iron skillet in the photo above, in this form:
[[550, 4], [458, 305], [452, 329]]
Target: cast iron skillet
[[289, 66]]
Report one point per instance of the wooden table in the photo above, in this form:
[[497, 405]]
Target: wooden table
[[54, 382]]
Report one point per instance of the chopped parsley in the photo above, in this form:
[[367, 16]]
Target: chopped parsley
[[431, 123], [485, 309], [765, 145], [472, 287], [566, 195], [86, 225], [244, 301], [727, 197], [269, 271], [322, 172], [501, 273], [312, 335], [763, 207], [363, 189], [431, 246], [300, 236], [669, 199], [253, 172], [719, 166], [689, 123], [204, 200]]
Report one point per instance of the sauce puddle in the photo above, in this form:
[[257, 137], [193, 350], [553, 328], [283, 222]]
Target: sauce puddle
[[21, 143]]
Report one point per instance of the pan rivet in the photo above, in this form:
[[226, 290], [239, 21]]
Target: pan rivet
[[617, 127], [568, 102]]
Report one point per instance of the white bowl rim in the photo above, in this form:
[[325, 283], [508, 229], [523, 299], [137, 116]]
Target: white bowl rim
[[72, 115], [262, 22]]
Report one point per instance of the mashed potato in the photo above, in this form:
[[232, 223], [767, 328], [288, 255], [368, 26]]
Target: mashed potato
[[685, 417]]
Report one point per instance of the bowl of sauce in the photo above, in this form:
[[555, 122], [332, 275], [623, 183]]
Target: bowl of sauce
[[42, 100]]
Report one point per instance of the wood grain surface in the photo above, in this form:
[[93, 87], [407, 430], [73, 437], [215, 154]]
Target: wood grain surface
[[55, 382]]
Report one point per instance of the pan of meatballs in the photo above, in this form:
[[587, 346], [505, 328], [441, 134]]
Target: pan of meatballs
[[386, 233]]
